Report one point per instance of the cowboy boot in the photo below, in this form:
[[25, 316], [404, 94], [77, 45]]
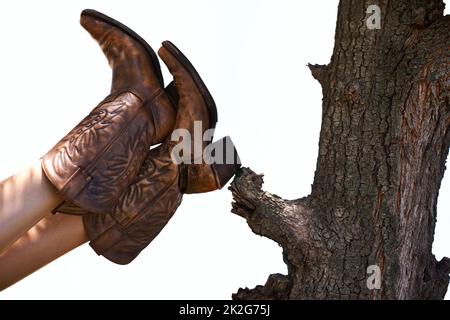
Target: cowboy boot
[[152, 199], [144, 210], [196, 105], [98, 159]]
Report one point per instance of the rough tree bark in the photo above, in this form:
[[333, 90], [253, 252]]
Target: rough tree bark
[[383, 146]]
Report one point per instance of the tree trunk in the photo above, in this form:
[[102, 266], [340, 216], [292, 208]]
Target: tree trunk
[[383, 145]]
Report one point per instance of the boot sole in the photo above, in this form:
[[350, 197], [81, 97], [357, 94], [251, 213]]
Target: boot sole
[[197, 80], [153, 57]]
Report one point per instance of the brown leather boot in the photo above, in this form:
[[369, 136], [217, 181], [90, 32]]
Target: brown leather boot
[[196, 104], [135, 66], [97, 160]]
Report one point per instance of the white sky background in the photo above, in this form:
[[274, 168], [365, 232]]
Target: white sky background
[[252, 54]]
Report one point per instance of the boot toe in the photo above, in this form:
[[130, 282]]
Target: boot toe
[[93, 25]]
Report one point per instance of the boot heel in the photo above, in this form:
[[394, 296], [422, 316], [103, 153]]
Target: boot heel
[[215, 173]]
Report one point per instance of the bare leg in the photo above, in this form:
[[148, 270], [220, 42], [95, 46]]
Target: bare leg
[[51, 238], [25, 198]]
